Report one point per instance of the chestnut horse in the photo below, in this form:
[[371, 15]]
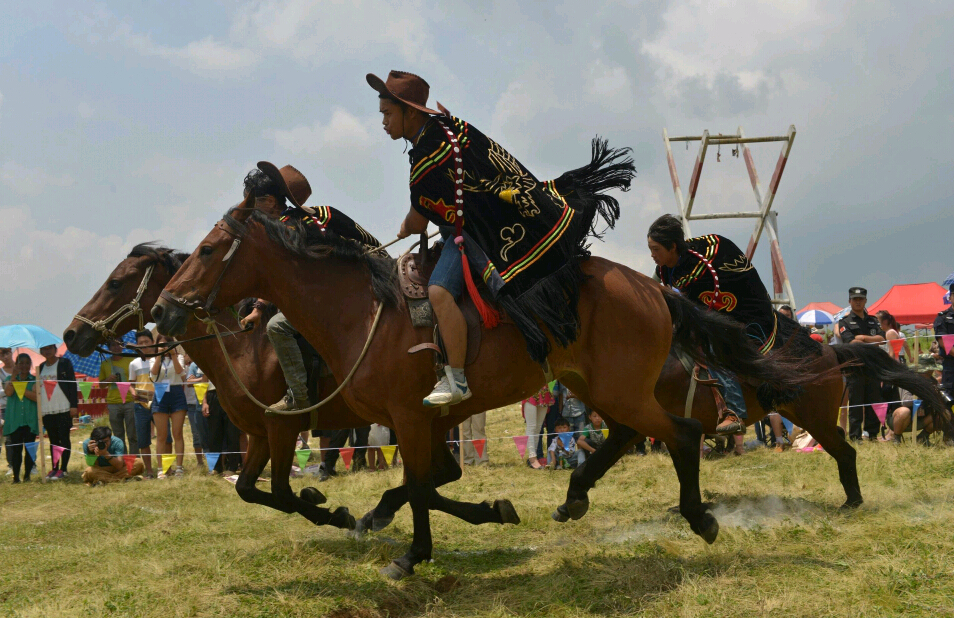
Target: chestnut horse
[[333, 290]]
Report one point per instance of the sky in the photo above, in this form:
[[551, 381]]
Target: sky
[[125, 122]]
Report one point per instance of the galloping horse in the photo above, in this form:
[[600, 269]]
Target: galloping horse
[[336, 295]]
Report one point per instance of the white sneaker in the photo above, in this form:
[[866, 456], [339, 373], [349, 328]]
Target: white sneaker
[[444, 395]]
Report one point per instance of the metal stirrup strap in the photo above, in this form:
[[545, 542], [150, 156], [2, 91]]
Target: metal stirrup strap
[[106, 326]]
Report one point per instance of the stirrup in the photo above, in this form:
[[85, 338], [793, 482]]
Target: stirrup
[[730, 425], [288, 404]]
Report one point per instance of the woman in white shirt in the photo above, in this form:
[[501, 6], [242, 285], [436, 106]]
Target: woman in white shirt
[[172, 406]]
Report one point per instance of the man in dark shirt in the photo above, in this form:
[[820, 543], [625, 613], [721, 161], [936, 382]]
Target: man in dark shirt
[[858, 327], [944, 325]]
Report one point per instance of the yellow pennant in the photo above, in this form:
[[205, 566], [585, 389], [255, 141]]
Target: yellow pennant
[[605, 432], [167, 462], [388, 452], [20, 389], [200, 389]]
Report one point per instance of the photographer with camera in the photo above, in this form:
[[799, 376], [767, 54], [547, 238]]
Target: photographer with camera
[[109, 466]]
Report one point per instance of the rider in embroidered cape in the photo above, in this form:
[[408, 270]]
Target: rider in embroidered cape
[[523, 237], [714, 272], [273, 189]]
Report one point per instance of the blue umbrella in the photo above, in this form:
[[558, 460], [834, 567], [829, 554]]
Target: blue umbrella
[[27, 336], [815, 317], [947, 282]]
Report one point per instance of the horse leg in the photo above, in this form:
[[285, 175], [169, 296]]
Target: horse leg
[[414, 439]]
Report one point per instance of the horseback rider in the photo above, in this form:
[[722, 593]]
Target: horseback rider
[[272, 187], [524, 237], [712, 271]]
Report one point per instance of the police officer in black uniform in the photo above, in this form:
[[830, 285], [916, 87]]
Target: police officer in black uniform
[[861, 328], [944, 325]]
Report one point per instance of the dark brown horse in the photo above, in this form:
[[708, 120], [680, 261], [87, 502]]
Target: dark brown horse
[[333, 291]]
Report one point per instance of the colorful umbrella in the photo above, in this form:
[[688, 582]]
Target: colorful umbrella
[[815, 317], [26, 336]]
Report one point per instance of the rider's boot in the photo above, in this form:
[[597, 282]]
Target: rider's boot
[[450, 389], [729, 421], [291, 402], [282, 335]]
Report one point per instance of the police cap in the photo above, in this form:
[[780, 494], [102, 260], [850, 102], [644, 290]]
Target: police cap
[[857, 293]]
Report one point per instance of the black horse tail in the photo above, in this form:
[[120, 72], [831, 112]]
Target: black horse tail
[[715, 339], [609, 168], [876, 364]]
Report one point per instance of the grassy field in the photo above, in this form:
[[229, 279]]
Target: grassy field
[[191, 547]]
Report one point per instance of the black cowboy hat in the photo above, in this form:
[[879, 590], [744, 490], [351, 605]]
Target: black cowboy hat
[[407, 88]]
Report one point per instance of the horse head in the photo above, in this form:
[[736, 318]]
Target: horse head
[[125, 298]]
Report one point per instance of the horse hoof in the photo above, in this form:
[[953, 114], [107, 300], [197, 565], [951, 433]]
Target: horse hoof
[[363, 525], [710, 527], [577, 508], [851, 504], [312, 496], [380, 523], [342, 518], [561, 514], [395, 571], [508, 514]]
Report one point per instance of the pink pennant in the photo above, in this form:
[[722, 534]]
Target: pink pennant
[[479, 447], [881, 411], [50, 386], [57, 453], [948, 342], [123, 389], [129, 460], [346, 455], [521, 442], [896, 346]]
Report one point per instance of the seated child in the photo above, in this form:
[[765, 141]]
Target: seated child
[[592, 436], [562, 452]]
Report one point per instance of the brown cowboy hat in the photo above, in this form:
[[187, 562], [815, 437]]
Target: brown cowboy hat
[[407, 88], [293, 184]]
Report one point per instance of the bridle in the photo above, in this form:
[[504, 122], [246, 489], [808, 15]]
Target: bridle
[[237, 230], [107, 327]]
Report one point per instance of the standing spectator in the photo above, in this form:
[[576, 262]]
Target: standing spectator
[[20, 425], [122, 414], [197, 422], [172, 406], [534, 412], [892, 331], [109, 466], [143, 392], [378, 437], [860, 328], [6, 368], [59, 408], [944, 325], [574, 411], [223, 434], [474, 428], [787, 312]]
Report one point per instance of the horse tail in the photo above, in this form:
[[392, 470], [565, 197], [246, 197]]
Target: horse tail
[[877, 364], [713, 338], [584, 187]]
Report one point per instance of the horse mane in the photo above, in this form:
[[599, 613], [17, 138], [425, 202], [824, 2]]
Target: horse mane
[[310, 242], [170, 259]]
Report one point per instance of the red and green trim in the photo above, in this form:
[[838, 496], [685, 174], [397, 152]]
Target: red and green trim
[[541, 247]]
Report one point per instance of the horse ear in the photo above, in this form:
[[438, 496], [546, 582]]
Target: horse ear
[[243, 210]]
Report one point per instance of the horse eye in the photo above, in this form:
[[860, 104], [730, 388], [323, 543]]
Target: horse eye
[[206, 250], [115, 284]]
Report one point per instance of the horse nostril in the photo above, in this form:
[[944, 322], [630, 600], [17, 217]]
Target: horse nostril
[[156, 313], [68, 336]]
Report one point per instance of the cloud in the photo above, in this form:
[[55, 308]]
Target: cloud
[[29, 181], [344, 134]]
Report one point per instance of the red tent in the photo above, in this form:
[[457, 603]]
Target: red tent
[[831, 308], [915, 303]]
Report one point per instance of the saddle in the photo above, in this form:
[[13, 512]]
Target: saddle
[[414, 271]]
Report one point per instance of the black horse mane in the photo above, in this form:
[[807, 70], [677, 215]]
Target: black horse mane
[[310, 242]]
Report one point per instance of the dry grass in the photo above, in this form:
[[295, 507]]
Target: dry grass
[[190, 547]]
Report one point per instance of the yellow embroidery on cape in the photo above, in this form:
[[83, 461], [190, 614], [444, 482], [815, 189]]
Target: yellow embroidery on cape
[[511, 184], [770, 342], [712, 245], [727, 301], [512, 236], [738, 265]]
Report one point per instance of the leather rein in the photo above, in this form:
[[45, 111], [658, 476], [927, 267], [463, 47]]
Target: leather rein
[[107, 327]]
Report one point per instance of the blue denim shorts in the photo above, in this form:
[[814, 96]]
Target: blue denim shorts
[[172, 401], [449, 271]]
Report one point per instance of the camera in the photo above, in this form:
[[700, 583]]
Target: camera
[[102, 444]]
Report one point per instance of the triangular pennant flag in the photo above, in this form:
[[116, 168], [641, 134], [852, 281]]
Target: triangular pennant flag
[[521, 442], [90, 460], [605, 433], [479, 446], [881, 411], [31, 450], [200, 389], [50, 386], [388, 452], [948, 342], [346, 455], [303, 455], [211, 459], [130, 461], [85, 388], [896, 346], [20, 389], [57, 453], [917, 404], [123, 389], [168, 460], [161, 389]]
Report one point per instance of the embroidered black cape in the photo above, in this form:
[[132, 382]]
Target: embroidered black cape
[[328, 219], [742, 295], [524, 237]]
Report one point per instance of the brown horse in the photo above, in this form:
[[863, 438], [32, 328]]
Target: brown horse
[[333, 290]]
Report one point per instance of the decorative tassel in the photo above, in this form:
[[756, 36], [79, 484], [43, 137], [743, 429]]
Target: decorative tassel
[[488, 314]]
